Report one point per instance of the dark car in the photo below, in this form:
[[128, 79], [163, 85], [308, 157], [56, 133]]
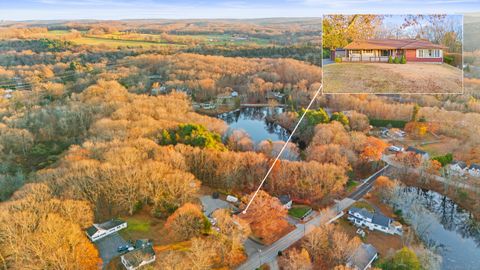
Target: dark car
[[124, 248]]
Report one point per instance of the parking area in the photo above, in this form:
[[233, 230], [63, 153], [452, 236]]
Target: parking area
[[210, 204], [107, 247]]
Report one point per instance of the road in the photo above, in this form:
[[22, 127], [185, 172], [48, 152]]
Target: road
[[270, 253], [389, 160]]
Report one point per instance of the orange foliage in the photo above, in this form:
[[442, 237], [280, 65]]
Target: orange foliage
[[373, 149]]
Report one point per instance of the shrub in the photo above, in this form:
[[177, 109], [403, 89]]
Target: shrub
[[390, 59], [444, 160], [388, 122], [404, 59], [338, 60], [448, 59], [396, 60]]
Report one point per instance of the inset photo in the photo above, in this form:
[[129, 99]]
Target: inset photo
[[393, 54]]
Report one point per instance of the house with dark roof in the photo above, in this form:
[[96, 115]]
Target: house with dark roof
[[373, 221], [458, 167], [379, 50], [474, 170], [98, 231], [143, 254], [363, 257], [285, 200], [422, 153]]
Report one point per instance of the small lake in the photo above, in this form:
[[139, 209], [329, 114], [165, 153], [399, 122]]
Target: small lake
[[452, 229], [253, 120]]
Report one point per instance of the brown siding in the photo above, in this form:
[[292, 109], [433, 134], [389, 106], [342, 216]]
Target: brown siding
[[411, 56]]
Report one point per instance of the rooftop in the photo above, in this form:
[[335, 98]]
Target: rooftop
[[284, 199], [388, 44], [104, 226], [416, 151], [143, 252], [363, 256]]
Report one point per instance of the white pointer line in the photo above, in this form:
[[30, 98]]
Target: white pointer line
[[283, 148]]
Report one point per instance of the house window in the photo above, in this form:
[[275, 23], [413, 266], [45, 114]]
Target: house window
[[429, 53], [355, 52], [368, 51], [384, 53]]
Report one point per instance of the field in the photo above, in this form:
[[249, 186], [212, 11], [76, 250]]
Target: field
[[149, 40], [391, 78]]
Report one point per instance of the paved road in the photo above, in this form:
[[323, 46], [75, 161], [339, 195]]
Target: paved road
[[367, 184], [270, 253]]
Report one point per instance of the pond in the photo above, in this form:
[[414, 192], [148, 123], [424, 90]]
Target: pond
[[452, 229], [253, 120]]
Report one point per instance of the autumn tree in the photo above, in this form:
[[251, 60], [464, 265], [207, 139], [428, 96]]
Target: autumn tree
[[38, 230], [186, 222], [329, 247], [295, 259], [266, 216], [233, 231], [339, 30], [384, 187], [373, 149]]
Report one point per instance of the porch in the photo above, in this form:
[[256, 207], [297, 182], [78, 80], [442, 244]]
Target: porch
[[370, 55]]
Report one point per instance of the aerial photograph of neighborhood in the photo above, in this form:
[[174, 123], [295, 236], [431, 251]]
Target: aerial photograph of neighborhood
[[389, 54], [249, 135]]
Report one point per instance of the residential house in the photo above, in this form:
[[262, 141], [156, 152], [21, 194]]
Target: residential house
[[458, 167], [379, 50], [286, 201], [363, 257], [373, 221], [98, 231], [422, 153], [474, 170], [143, 254]]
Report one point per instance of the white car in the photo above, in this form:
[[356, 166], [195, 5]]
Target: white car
[[394, 148]]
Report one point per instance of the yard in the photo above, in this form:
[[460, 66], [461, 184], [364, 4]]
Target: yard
[[143, 226], [391, 78], [299, 211]]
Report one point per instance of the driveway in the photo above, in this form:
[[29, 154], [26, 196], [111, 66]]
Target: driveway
[[210, 204], [107, 247]]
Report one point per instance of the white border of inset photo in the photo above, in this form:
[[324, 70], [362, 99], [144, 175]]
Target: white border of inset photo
[[461, 92]]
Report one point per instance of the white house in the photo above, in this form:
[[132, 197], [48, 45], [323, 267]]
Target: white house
[[474, 170], [143, 254], [286, 201], [363, 257], [458, 167], [373, 221], [98, 231]]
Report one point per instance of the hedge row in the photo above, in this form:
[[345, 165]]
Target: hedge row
[[387, 122]]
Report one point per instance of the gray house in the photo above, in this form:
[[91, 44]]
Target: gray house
[[363, 257], [143, 254]]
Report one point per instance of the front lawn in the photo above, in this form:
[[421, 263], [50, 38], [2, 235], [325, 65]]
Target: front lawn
[[298, 211], [364, 204]]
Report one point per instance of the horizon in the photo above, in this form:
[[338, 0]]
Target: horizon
[[72, 10]]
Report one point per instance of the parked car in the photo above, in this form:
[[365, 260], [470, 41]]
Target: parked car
[[125, 248], [394, 148]]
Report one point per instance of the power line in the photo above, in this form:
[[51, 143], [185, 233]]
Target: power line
[[283, 148]]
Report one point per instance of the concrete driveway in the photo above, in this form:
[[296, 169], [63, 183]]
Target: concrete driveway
[[108, 245], [210, 204]]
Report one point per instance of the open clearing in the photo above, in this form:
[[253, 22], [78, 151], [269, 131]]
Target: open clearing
[[391, 78]]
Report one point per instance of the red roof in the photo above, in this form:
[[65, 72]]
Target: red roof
[[387, 44]]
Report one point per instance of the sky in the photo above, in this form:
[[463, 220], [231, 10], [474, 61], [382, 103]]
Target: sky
[[184, 9]]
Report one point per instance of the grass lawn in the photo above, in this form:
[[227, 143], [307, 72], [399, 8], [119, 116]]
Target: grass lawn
[[391, 78], [143, 226], [298, 211], [364, 204], [351, 185], [137, 225]]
